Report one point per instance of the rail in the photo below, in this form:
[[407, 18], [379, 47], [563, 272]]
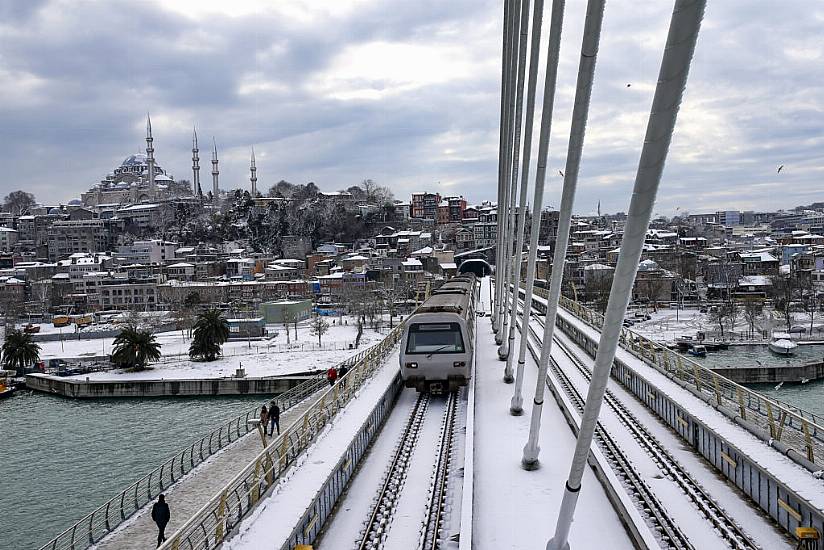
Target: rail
[[106, 518], [209, 526], [800, 431]]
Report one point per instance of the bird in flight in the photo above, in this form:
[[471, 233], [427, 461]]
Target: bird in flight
[[779, 169], [562, 174], [628, 85]]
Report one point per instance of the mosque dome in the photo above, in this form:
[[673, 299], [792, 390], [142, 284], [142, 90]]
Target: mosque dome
[[138, 159], [647, 265], [75, 202], [54, 211]]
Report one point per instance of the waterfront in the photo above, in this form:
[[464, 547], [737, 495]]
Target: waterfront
[[62, 458], [809, 396]]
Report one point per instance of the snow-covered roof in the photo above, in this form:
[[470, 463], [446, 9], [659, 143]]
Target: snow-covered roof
[[424, 251], [761, 255], [7, 230], [754, 280], [356, 257], [182, 264], [599, 267], [449, 265], [412, 261]]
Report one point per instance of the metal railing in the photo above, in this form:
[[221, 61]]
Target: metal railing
[[799, 430], [321, 508], [96, 525], [209, 527]]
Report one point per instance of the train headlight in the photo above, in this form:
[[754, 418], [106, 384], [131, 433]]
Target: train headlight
[[411, 365], [459, 364]]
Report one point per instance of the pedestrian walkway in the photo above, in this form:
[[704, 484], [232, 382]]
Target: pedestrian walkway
[[193, 491]]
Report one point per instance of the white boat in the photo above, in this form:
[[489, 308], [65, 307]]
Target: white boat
[[782, 344]]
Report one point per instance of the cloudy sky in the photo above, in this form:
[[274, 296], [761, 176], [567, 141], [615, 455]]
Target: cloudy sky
[[403, 92]]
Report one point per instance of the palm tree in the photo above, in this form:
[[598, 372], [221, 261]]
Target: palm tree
[[134, 348], [211, 331], [19, 350]]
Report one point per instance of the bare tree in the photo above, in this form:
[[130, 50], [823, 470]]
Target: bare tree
[[751, 312], [720, 314], [287, 318], [783, 291], [319, 327]]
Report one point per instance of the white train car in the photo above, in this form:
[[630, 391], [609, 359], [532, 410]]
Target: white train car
[[439, 338]]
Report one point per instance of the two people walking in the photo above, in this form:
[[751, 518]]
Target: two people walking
[[270, 417]]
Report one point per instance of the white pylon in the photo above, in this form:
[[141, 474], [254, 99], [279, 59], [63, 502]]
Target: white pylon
[[553, 52], [672, 78], [517, 99]]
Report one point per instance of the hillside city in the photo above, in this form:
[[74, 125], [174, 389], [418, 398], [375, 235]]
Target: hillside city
[[139, 241]]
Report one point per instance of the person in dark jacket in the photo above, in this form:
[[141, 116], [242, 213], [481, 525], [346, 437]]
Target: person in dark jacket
[[274, 418], [160, 515]]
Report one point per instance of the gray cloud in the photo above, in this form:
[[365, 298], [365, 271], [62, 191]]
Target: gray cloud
[[320, 101]]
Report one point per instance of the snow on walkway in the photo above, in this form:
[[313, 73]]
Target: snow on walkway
[[195, 489], [276, 516]]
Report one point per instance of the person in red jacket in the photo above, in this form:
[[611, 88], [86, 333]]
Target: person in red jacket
[[332, 375]]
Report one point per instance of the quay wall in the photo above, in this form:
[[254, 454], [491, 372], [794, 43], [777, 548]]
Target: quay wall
[[758, 375], [93, 389]]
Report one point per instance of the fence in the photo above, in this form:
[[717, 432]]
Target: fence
[[801, 431], [210, 525], [316, 514], [107, 517]]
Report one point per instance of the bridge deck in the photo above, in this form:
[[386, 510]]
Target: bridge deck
[[187, 496], [507, 497]]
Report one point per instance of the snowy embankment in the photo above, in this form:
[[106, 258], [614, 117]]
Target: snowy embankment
[[258, 357]]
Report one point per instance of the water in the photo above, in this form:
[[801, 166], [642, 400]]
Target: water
[[809, 396], [63, 458]]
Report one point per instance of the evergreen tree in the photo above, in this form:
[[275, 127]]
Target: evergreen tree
[[211, 331], [135, 348], [19, 350]]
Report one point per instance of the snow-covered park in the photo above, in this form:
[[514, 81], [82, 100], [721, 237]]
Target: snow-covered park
[[268, 357]]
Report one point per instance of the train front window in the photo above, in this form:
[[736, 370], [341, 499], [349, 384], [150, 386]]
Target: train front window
[[435, 338]]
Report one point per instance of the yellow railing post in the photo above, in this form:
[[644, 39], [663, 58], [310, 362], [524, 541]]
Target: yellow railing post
[[697, 375], [717, 389], [772, 420], [808, 440], [741, 408], [255, 494], [221, 515]]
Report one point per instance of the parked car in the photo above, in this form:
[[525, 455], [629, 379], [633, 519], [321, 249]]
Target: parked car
[[798, 329]]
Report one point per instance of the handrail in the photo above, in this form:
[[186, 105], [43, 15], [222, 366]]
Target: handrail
[[800, 430], [209, 527], [107, 517]]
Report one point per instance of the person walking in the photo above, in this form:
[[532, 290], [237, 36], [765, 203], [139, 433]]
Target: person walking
[[332, 375], [160, 515], [274, 418], [341, 373], [264, 418]]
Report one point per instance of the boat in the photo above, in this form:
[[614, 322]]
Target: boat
[[698, 351], [7, 391], [781, 343]]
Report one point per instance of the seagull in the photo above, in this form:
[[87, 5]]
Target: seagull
[[628, 85], [778, 387], [779, 169], [562, 174]]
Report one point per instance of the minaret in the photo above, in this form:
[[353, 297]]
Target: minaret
[[253, 177], [150, 154], [196, 165], [215, 171]]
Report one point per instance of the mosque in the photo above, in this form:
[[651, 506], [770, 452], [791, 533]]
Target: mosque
[[139, 179]]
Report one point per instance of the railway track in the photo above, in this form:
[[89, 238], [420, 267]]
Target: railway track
[[431, 533], [656, 514], [376, 531]]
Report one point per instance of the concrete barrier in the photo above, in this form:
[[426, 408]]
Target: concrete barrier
[[82, 389]]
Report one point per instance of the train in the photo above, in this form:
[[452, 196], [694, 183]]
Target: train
[[438, 343]]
